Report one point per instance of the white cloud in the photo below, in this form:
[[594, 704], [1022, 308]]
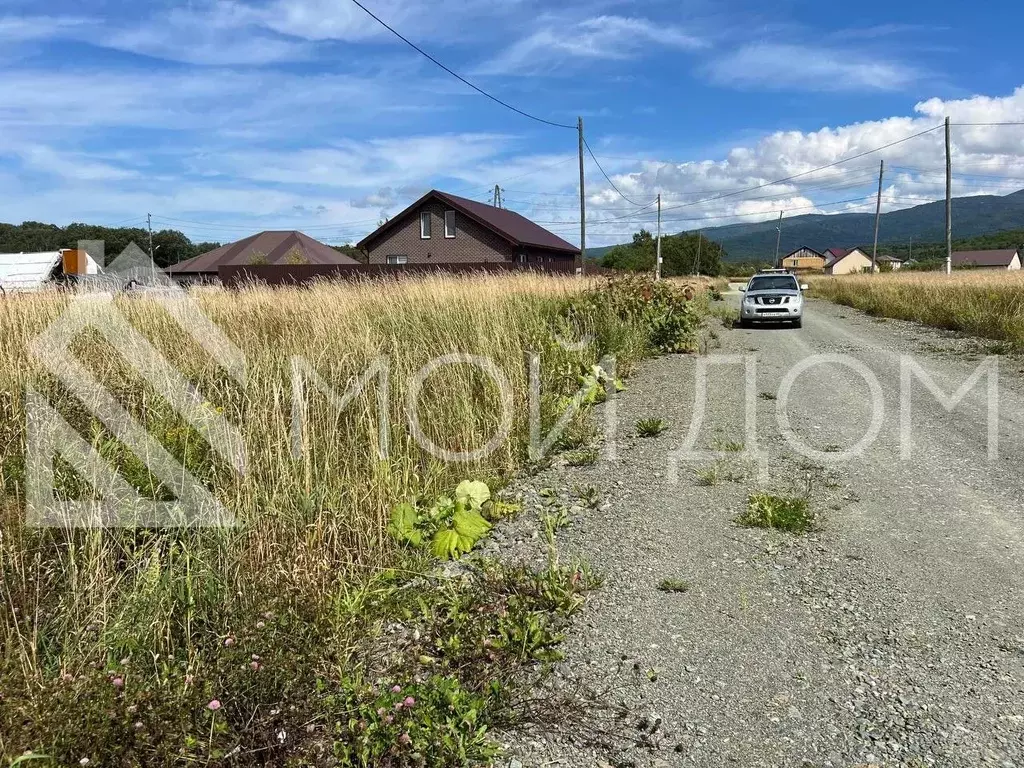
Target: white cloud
[[367, 165], [986, 160], [815, 68], [602, 37], [223, 33]]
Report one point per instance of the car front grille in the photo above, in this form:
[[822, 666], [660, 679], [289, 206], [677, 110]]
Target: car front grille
[[770, 300]]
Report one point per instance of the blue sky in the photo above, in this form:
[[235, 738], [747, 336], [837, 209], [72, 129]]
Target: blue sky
[[224, 118]]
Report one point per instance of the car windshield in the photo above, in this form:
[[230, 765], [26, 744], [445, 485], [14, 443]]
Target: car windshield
[[773, 283]]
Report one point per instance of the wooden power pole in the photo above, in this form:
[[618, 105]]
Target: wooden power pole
[[657, 268], [583, 206], [878, 216], [778, 239], [949, 204]]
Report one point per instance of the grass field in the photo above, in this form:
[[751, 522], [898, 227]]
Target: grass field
[[305, 634], [989, 304]]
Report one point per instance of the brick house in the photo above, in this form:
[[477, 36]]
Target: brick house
[[444, 229]]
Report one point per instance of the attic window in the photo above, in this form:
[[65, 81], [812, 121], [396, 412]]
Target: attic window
[[425, 225], [449, 224]]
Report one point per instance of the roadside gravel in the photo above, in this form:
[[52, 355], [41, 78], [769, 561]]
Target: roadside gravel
[[891, 635]]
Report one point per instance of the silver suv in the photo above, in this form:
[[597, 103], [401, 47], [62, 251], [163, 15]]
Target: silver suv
[[771, 298]]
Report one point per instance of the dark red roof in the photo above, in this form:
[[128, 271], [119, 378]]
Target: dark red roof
[[997, 258], [514, 227], [838, 253], [273, 246]]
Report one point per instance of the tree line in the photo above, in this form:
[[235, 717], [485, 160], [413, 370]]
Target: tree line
[[169, 245], [933, 255], [683, 254]]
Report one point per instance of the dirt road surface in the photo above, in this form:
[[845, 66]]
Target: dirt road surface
[[892, 635]]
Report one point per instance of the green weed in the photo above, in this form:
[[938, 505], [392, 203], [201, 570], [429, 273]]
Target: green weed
[[674, 585], [650, 427], [784, 513]]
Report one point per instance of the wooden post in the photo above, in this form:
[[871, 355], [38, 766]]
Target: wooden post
[[878, 216], [583, 207], [657, 268], [949, 204]]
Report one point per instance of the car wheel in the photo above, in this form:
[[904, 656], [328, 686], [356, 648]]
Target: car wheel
[[798, 323], [741, 323]]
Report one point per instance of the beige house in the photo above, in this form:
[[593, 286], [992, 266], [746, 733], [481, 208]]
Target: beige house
[[840, 261], [804, 260]]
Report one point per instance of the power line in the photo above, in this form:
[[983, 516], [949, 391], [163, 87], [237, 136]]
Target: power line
[[807, 173], [456, 75], [1008, 122], [859, 200], [608, 178]]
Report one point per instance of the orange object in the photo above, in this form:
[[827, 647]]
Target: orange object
[[74, 261]]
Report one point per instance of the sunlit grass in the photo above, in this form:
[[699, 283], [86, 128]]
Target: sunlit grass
[[987, 303]]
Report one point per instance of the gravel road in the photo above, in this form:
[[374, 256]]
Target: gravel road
[[892, 635]]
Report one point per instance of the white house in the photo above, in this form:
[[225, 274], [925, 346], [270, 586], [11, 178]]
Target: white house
[[31, 271]]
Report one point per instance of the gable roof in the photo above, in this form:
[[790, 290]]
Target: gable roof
[[997, 258], [837, 253], [514, 227], [804, 248], [273, 245]]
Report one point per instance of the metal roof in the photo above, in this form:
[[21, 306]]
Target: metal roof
[[27, 271], [994, 258], [273, 246], [514, 227]]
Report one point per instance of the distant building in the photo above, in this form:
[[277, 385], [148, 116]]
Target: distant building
[[445, 229], [31, 271], [1006, 258], [281, 247], [887, 259], [843, 261], [804, 260]]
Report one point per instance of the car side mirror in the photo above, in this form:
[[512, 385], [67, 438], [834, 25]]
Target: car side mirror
[[743, 289], [804, 286]]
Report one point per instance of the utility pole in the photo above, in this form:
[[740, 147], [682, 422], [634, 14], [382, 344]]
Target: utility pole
[[910, 256], [496, 200], [583, 206], [949, 204], [700, 241], [152, 264], [657, 268], [878, 215], [778, 239]]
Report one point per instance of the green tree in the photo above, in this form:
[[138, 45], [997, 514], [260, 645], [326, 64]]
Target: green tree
[[682, 254]]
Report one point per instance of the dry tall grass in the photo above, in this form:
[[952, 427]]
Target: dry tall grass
[[82, 608], [985, 303]]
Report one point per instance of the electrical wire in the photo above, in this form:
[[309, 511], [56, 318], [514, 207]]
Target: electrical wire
[[608, 178], [808, 173], [456, 75]]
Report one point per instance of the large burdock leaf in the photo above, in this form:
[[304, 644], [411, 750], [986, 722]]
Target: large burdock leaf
[[473, 493], [470, 525], [403, 524], [445, 544]]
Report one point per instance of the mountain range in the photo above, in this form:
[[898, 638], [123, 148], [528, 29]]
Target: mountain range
[[972, 216]]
